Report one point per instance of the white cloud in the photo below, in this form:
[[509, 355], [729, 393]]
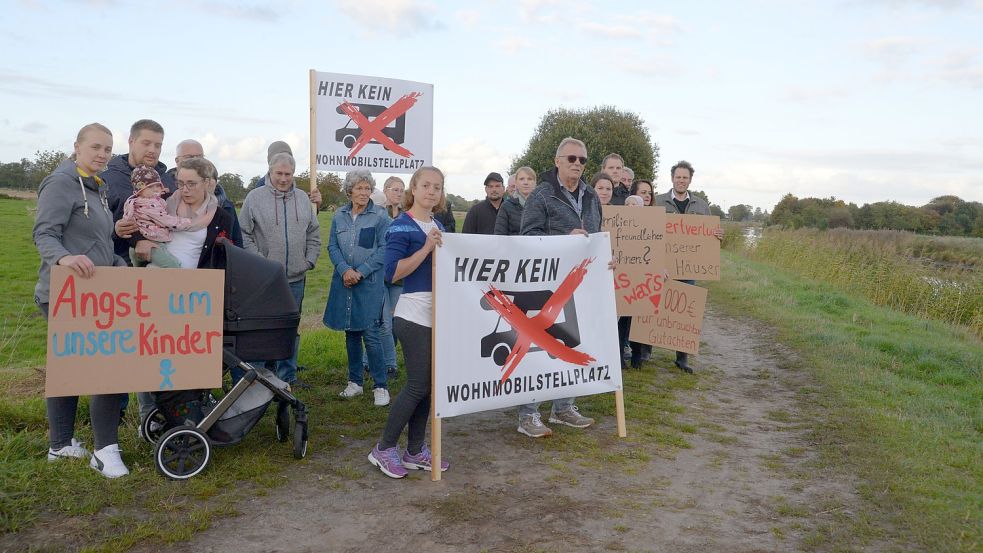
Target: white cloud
[[538, 11], [467, 18], [961, 66], [34, 127], [654, 25], [893, 50], [466, 164], [403, 16], [238, 10], [804, 94], [610, 31], [513, 44]]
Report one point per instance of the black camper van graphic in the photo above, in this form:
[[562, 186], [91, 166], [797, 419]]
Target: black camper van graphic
[[347, 135], [498, 344]]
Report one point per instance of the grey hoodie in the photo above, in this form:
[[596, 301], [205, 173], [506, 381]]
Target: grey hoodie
[[281, 227], [62, 227]]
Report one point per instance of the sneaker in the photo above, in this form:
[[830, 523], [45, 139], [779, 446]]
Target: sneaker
[[381, 397], [422, 460], [351, 391], [388, 461], [571, 417], [108, 462], [74, 451], [532, 426]]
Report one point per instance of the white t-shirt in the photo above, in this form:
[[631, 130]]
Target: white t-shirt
[[417, 307], [186, 245]]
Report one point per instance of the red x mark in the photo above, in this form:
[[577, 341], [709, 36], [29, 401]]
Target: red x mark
[[533, 330], [372, 130]]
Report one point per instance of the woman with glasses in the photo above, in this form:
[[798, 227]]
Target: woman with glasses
[[73, 228]]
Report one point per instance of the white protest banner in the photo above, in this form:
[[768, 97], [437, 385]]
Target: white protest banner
[[134, 330], [677, 322], [520, 319], [370, 123]]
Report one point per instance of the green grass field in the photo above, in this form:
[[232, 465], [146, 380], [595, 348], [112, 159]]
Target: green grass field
[[902, 397], [109, 515]]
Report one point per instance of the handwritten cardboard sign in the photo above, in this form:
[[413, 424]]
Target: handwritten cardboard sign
[[678, 322], [637, 251], [692, 251], [134, 330]]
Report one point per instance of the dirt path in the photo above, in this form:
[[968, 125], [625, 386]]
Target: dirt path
[[749, 481]]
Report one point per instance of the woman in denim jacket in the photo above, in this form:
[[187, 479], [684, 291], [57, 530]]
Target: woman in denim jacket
[[357, 245]]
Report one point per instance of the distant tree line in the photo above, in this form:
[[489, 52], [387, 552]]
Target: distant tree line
[[947, 215]]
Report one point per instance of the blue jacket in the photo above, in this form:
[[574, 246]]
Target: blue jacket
[[358, 245], [403, 240]]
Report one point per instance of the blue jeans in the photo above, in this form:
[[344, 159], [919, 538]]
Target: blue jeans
[[373, 349], [385, 332], [558, 405], [285, 370]]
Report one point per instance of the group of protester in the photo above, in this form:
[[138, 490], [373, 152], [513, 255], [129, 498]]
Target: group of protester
[[98, 210]]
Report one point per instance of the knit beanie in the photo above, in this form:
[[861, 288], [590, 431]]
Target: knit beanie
[[144, 176], [278, 147]]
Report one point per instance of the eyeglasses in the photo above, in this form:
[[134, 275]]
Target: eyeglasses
[[574, 159], [190, 184]]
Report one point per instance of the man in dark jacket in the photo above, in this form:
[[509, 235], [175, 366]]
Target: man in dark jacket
[[679, 200], [191, 149], [481, 217], [562, 204], [613, 165], [146, 139]]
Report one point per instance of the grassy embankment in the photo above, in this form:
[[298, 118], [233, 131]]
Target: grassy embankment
[[67, 505], [903, 392]]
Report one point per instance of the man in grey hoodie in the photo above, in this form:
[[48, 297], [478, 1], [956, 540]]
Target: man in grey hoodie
[[278, 223]]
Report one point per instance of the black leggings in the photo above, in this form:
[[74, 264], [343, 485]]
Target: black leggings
[[103, 412], [411, 408]]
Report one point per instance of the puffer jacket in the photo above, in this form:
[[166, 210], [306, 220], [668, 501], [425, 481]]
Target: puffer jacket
[[548, 212]]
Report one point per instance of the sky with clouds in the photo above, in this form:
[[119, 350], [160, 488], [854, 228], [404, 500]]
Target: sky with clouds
[[864, 100]]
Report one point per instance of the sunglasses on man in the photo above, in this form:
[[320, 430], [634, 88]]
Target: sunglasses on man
[[574, 159]]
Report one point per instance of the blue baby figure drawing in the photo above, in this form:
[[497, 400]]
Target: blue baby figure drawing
[[166, 370]]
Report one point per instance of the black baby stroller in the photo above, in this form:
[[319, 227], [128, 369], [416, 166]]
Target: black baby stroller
[[261, 321]]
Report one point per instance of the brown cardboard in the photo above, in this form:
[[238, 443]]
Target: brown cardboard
[[679, 321], [637, 251], [125, 336], [692, 252]]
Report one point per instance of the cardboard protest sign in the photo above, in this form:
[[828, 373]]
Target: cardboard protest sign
[[520, 319], [692, 251], [637, 251], [678, 322], [134, 330], [371, 123]]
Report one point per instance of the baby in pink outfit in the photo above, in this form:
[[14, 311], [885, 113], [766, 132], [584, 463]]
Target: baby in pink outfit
[[149, 210]]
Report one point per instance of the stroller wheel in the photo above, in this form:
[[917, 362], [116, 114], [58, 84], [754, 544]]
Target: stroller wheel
[[282, 421], [182, 452], [300, 439], [153, 425]]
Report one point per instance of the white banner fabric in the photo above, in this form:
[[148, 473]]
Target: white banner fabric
[[522, 319], [383, 125]]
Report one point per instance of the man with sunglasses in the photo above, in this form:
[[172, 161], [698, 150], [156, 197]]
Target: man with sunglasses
[[191, 149], [482, 215], [561, 204]]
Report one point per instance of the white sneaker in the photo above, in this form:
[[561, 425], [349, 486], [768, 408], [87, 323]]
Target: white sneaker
[[74, 451], [108, 462], [351, 391], [381, 397]]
